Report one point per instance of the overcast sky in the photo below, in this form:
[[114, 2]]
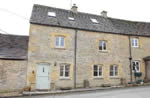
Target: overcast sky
[[15, 14]]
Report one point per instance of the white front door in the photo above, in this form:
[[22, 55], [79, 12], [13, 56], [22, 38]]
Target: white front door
[[43, 76]]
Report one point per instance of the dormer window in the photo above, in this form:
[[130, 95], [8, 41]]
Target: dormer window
[[52, 14], [94, 20], [71, 18]]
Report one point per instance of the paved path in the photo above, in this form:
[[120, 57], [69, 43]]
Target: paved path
[[135, 92]]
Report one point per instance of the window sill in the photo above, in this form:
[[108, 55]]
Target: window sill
[[65, 78], [136, 72], [135, 47], [98, 78], [103, 51], [60, 48], [114, 77]]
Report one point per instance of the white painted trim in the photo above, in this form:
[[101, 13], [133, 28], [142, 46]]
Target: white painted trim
[[59, 42], [114, 71], [133, 41], [103, 45], [98, 71], [64, 77], [139, 66]]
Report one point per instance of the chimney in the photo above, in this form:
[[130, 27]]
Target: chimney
[[74, 8], [104, 14]]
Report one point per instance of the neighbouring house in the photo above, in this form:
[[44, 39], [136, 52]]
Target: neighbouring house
[[13, 62], [71, 49]]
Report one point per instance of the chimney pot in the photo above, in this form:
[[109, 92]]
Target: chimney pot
[[104, 14], [74, 8]]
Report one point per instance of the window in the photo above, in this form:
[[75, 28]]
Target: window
[[102, 45], [52, 14], [97, 70], [136, 66], [71, 18], [64, 71], [135, 42], [94, 20], [59, 42], [113, 70]]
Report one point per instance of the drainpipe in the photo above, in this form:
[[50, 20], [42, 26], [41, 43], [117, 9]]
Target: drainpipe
[[75, 53], [130, 59]]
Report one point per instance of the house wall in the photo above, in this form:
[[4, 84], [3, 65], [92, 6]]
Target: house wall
[[41, 49], [12, 74]]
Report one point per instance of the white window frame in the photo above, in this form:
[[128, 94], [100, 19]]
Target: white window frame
[[59, 46], [103, 45], [133, 42], [64, 70], [114, 75], [94, 20], [136, 66], [98, 76], [51, 14]]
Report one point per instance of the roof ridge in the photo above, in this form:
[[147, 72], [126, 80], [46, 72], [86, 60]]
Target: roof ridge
[[15, 35], [92, 14]]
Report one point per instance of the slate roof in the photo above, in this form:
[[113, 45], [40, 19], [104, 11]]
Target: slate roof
[[83, 22], [13, 46], [146, 58]]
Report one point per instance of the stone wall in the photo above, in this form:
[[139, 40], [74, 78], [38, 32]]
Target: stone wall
[[41, 49], [12, 74]]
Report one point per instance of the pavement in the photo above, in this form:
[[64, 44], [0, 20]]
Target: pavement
[[128, 92], [57, 92]]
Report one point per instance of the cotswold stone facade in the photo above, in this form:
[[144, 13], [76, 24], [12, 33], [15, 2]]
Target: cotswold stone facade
[[79, 61], [13, 75], [13, 62]]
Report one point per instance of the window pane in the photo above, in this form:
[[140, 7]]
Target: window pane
[[116, 70], [95, 73], [61, 68], [57, 41], [95, 67], [67, 68], [66, 74], [132, 42], [61, 73], [111, 73], [100, 70], [62, 41], [133, 66], [137, 66], [100, 45], [104, 45], [136, 44], [111, 70]]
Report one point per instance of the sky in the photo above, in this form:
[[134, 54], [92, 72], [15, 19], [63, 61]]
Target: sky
[[15, 14]]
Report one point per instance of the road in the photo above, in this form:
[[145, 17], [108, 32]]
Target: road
[[135, 92]]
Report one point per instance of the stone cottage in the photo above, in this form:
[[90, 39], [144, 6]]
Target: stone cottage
[[13, 62], [72, 49]]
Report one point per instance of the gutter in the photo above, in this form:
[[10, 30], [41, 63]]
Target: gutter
[[92, 30], [75, 57]]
